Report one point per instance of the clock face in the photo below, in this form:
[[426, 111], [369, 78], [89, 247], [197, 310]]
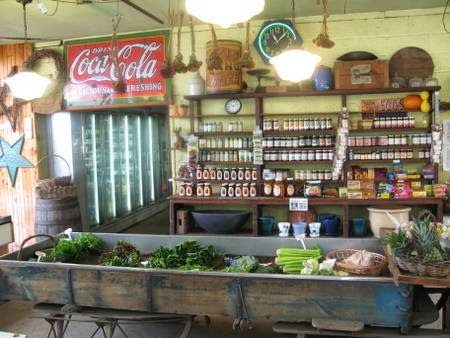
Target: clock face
[[274, 37], [233, 106]]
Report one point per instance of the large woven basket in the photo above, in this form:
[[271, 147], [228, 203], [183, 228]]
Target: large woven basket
[[415, 267], [379, 263]]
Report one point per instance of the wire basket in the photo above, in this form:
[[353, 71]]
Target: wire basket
[[439, 270], [379, 263]]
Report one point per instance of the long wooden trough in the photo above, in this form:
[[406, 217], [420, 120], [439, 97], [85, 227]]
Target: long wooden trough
[[373, 301]]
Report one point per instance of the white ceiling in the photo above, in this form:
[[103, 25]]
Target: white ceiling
[[94, 17]]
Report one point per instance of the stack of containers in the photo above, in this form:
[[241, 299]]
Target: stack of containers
[[341, 144]]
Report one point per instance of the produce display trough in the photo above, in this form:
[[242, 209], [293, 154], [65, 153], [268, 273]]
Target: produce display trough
[[371, 300]]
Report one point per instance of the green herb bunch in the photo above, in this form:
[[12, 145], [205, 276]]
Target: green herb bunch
[[189, 255], [73, 250]]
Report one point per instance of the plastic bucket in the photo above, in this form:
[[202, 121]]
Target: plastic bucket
[[385, 218], [265, 225]]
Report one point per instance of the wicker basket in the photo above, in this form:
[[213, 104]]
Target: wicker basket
[[415, 267], [379, 263], [56, 187]]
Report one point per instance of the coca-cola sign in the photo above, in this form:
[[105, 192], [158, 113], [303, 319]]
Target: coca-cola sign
[[92, 72]]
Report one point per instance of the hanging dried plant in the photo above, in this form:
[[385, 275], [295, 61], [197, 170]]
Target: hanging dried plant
[[246, 59], [11, 112], [167, 70], [323, 39], [193, 65], [178, 64], [214, 60]]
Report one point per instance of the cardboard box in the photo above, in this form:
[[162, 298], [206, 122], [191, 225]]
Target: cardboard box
[[6, 231], [360, 185], [361, 74]]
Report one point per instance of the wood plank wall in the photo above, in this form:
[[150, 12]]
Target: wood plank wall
[[18, 201]]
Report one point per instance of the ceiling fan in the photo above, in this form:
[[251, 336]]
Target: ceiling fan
[[26, 38]]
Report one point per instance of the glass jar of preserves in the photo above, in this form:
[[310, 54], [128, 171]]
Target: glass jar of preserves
[[254, 174], [200, 190], [224, 190], [199, 173], [268, 185], [207, 190], [219, 174], [241, 174], [182, 189], [290, 187], [311, 155], [205, 175], [233, 174], [230, 191], [238, 190], [189, 189], [253, 191], [212, 173], [226, 174], [279, 188], [245, 190], [270, 142]]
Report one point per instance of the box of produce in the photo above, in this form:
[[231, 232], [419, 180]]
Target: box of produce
[[360, 184], [361, 74]]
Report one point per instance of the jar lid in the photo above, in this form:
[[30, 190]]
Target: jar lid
[[246, 184]]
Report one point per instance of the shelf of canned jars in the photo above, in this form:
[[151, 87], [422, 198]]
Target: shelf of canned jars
[[291, 139]]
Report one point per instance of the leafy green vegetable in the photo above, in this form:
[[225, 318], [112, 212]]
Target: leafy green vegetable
[[123, 254], [241, 264], [189, 255], [67, 250]]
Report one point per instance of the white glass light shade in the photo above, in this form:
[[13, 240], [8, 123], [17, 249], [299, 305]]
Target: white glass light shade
[[295, 65], [224, 12], [27, 85]]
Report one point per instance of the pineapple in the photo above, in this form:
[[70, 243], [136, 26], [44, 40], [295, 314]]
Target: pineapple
[[426, 241]]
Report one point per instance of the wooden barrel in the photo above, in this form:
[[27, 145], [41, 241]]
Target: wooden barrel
[[228, 79], [53, 216]]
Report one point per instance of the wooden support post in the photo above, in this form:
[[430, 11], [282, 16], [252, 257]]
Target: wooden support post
[[345, 222], [255, 216]]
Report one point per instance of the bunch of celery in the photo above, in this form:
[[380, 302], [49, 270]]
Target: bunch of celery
[[292, 259]]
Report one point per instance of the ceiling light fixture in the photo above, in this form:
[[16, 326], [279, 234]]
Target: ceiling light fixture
[[295, 64], [224, 12], [27, 85]]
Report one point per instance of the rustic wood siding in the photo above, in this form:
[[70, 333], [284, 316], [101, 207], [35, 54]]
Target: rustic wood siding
[[18, 201]]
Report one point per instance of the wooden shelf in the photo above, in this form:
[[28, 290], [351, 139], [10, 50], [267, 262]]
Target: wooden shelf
[[222, 115], [379, 130], [333, 92], [298, 162], [415, 146], [227, 163], [301, 114], [298, 132], [225, 149], [224, 133], [297, 148], [408, 160]]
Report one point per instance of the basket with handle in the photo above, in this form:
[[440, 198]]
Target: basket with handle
[[378, 263], [57, 206]]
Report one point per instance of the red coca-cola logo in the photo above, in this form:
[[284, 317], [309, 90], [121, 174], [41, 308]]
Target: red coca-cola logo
[[91, 71]]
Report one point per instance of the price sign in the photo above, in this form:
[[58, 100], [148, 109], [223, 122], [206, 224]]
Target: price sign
[[298, 204]]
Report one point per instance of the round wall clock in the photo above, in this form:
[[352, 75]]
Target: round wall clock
[[233, 106], [274, 37]]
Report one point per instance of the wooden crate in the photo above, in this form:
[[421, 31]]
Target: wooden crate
[[361, 74]]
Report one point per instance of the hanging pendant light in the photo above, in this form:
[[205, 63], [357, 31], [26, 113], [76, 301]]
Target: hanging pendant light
[[224, 12], [27, 85], [295, 64]]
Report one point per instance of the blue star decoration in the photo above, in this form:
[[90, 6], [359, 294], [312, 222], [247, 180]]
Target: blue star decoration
[[11, 158]]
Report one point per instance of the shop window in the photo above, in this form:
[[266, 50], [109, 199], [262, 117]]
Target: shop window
[[122, 160]]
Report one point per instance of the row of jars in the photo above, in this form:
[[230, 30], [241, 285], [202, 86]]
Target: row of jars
[[213, 127], [294, 124], [238, 190], [396, 154], [227, 156], [299, 155], [388, 140], [241, 174], [322, 175], [229, 142], [301, 141], [394, 122], [279, 187]]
